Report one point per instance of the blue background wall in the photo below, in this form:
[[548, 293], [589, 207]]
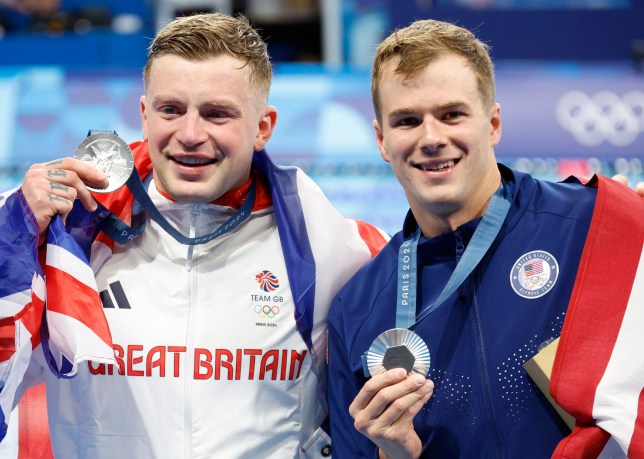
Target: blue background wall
[[579, 111]]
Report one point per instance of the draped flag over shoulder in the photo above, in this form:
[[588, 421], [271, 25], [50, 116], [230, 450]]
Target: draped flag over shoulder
[[47, 298], [598, 373]]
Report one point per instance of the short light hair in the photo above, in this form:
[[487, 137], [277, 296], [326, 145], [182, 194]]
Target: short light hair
[[203, 36], [424, 41]]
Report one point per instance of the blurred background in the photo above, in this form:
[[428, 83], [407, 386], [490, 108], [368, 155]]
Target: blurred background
[[570, 81]]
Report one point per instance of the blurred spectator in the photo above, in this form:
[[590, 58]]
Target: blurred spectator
[[80, 16], [32, 7]]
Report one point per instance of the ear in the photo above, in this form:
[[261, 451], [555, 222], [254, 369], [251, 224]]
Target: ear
[[144, 119], [495, 125], [266, 125], [380, 140]]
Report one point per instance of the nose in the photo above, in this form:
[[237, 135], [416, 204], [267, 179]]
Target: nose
[[433, 135], [191, 131]]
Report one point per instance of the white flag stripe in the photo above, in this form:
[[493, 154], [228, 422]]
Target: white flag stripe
[[65, 261], [315, 213], [9, 444], [18, 365], [617, 395], [76, 341], [11, 305], [38, 287]]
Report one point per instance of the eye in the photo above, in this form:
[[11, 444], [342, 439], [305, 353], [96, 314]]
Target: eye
[[406, 121], [453, 115], [168, 110], [217, 114]]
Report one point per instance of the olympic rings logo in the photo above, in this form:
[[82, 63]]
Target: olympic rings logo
[[267, 311], [603, 117]]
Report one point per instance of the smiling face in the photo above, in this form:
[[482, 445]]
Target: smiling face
[[439, 139], [203, 121]]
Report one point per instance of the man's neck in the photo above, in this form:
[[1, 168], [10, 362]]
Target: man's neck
[[434, 222]]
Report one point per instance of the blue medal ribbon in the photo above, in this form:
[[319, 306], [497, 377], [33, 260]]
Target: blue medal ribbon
[[486, 231]]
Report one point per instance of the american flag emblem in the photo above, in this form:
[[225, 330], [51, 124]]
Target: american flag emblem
[[267, 281], [533, 268], [534, 274]]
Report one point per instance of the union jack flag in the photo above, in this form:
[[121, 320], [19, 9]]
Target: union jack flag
[[35, 307]]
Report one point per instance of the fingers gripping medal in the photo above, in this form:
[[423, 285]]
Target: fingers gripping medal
[[398, 348], [107, 152]]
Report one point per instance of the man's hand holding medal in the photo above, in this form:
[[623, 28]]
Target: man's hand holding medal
[[51, 188]]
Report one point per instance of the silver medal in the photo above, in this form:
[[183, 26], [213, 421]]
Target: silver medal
[[108, 153], [398, 348]]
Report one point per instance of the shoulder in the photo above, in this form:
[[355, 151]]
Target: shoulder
[[568, 199], [371, 281]]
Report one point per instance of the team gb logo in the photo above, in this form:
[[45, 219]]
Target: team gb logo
[[268, 281]]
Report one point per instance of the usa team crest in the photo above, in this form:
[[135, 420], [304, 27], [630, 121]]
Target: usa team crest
[[534, 274]]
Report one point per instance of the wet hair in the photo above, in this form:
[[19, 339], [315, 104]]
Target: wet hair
[[424, 41], [203, 36]]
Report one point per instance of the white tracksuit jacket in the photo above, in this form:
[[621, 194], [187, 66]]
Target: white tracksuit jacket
[[211, 359]]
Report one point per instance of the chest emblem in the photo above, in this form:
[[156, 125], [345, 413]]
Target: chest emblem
[[267, 304], [534, 274], [267, 281]]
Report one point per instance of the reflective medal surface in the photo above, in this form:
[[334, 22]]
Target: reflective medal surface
[[398, 348], [108, 153]]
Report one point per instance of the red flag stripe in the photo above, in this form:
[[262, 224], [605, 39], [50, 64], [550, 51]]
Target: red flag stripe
[[372, 237], [33, 430], [7, 338], [597, 337], [591, 328], [61, 285], [31, 318], [617, 396], [584, 442]]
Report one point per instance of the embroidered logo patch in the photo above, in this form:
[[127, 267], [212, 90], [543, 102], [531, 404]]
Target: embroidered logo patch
[[534, 274], [267, 281]]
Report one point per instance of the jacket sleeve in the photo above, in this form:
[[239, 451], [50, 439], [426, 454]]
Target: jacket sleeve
[[343, 386]]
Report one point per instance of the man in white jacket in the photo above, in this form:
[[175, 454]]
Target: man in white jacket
[[217, 296]]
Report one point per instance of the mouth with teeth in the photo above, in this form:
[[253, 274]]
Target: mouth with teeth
[[438, 167], [193, 162]]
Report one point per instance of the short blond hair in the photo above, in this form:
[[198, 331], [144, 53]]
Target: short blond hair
[[203, 36], [425, 41]]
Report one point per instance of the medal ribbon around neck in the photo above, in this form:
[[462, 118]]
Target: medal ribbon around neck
[[401, 346], [486, 231], [120, 232]]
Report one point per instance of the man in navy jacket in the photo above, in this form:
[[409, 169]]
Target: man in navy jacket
[[483, 270]]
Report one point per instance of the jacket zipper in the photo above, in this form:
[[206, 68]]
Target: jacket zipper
[[460, 248], [189, 364], [487, 396]]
